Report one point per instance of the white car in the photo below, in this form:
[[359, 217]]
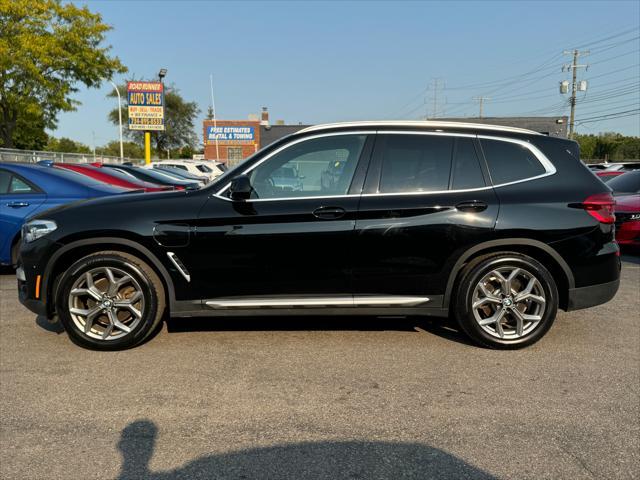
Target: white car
[[209, 170]]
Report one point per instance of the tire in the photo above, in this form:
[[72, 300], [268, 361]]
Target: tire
[[496, 320], [118, 308]]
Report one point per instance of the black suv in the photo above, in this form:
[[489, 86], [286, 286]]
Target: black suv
[[497, 227]]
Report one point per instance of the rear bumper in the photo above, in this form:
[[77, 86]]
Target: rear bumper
[[585, 297]]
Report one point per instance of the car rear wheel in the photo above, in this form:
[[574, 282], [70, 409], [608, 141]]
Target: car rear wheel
[[506, 300], [110, 301]]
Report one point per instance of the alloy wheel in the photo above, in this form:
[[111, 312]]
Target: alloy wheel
[[106, 303], [508, 303]]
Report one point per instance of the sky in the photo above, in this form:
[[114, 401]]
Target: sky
[[317, 62]]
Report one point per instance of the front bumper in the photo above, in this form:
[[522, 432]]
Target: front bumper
[[585, 297], [35, 305]]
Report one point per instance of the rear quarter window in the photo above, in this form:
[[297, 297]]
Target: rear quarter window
[[509, 161]]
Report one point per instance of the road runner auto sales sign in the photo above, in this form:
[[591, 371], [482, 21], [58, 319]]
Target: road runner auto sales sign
[[146, 105]]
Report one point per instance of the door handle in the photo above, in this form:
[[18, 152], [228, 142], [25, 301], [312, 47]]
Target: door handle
[[329, 213], [17, 204], [472, 206]]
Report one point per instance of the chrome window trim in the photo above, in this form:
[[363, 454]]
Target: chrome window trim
[[549, 168], [541, 157]]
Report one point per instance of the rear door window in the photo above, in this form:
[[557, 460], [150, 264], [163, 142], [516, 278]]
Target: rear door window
[[509, 161], [415, 163]]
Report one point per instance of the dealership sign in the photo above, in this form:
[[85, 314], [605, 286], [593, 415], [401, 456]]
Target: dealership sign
[[146, 105], [230, 134]]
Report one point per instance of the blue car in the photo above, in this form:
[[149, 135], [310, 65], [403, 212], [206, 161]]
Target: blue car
[[28, 189]]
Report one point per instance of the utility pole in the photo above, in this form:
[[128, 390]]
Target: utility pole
[[574, 83], [481, 101], [436, 83]]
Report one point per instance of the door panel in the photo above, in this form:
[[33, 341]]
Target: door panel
[[273, 248], [295, 235], [413, 225], [406, 243]]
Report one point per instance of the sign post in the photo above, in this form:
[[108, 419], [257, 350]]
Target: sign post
[[146, 110]]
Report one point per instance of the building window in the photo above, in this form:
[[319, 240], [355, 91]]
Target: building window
[[234, 155]]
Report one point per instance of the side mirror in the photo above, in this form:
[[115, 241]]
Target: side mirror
[[240, 188]]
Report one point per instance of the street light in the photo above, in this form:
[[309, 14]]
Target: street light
[[162, 73], [119, 120]]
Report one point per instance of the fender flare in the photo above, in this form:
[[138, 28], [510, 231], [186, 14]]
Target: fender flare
[[504, 242], [144, 252]]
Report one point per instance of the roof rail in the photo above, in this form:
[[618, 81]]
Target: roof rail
[[418, 123]]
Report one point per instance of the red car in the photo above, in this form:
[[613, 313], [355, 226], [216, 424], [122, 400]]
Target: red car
[[606, 175], [626, 190], [113, 177]]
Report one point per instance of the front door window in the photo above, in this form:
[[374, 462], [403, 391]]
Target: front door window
[[318, 167]]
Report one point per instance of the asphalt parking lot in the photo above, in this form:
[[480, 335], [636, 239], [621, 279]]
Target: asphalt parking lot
[[329, 398]]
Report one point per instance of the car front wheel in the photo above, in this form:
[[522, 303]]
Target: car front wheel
[[506, 300], [110, 301]]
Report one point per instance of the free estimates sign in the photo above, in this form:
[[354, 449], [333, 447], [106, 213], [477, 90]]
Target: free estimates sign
[[146, 105]]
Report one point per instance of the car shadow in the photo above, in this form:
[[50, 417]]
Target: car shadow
[[442, 327], [53, 326], [335, 460]]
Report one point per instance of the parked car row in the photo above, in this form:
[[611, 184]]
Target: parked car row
[[28, 189], [614, 166]]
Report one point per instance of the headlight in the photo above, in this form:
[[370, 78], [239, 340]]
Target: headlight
[[35, 229]]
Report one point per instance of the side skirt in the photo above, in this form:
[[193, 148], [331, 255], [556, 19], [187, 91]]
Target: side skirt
[[318, 306]]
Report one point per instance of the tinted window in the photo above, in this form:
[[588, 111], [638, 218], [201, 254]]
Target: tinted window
[[19, 186], [510, 161], [5, 177], [321, 166], [466, 170], [415, 163], [626, 183], [204, 168]]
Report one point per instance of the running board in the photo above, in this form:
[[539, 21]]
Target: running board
[[356, 301]]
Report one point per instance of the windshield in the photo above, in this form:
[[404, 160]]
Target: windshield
[[627, 183]]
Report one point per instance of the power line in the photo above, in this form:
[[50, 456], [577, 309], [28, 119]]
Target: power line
[[626, 113]]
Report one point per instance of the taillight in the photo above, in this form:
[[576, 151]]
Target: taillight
[[600, 206], [178, 187]]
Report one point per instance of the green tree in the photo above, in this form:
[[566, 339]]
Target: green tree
[[66, 145], [47, 48], [179, 120], [29, 133], [130, 149]]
